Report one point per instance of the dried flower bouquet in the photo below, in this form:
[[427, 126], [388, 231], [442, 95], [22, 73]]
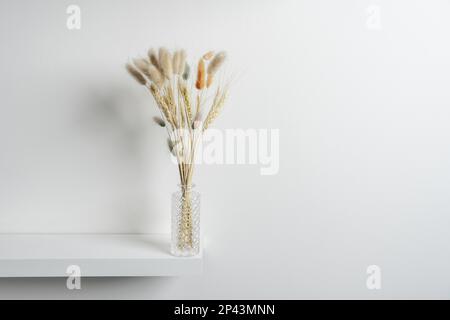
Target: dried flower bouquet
[[186, 110]]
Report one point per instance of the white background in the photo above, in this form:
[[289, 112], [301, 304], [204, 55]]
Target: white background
[[364, 127]]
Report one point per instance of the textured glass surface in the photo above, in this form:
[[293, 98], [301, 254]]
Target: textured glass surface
[[185, 222]]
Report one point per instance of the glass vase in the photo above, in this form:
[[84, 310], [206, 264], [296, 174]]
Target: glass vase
[[185, 222]]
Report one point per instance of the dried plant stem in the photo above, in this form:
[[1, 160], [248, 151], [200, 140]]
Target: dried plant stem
[[161, 103]]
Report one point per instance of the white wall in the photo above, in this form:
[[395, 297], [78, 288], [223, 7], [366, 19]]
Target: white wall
[[364, 143]]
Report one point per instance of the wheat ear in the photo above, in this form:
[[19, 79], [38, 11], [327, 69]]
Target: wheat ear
[[141, 64], [161, 103], [215, 64], [186, 100], [218, 103]]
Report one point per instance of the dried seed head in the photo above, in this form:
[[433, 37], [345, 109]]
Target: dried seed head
[[200, 84], [136, 74], [187, 71], [153, 58], [155, 75], [161, 52], [159, 121], [176, 62], [216, 62], [208, 55], [161, 103], [165, 61], [141, 64], [182, 62]]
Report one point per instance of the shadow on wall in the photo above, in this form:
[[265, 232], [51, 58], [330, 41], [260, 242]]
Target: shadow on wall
[[116, 121]]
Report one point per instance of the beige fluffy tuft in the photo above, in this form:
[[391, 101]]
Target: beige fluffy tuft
[[187, 71], [136, 74], [153, 58], [165, 62], [216, 63], [214, 66], [207, 56], [182, 62], [176, 62]]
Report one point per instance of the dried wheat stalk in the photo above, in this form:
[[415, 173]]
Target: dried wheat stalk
[[200, 84], [218, 103]]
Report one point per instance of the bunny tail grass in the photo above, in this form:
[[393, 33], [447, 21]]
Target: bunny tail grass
[[136, 74], [207, 56], [165, 61], [215, 64], [200, 83]]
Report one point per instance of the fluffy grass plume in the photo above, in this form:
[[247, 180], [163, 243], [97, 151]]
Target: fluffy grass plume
[[200, 83], [161, 103], [153, 59], [165, 62], [176, 62], [141, 64], [155, 75], [186, 100], [214, 66], [136, 74], [215, 63]]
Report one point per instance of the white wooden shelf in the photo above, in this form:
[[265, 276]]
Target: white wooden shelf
[[97, 255]]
